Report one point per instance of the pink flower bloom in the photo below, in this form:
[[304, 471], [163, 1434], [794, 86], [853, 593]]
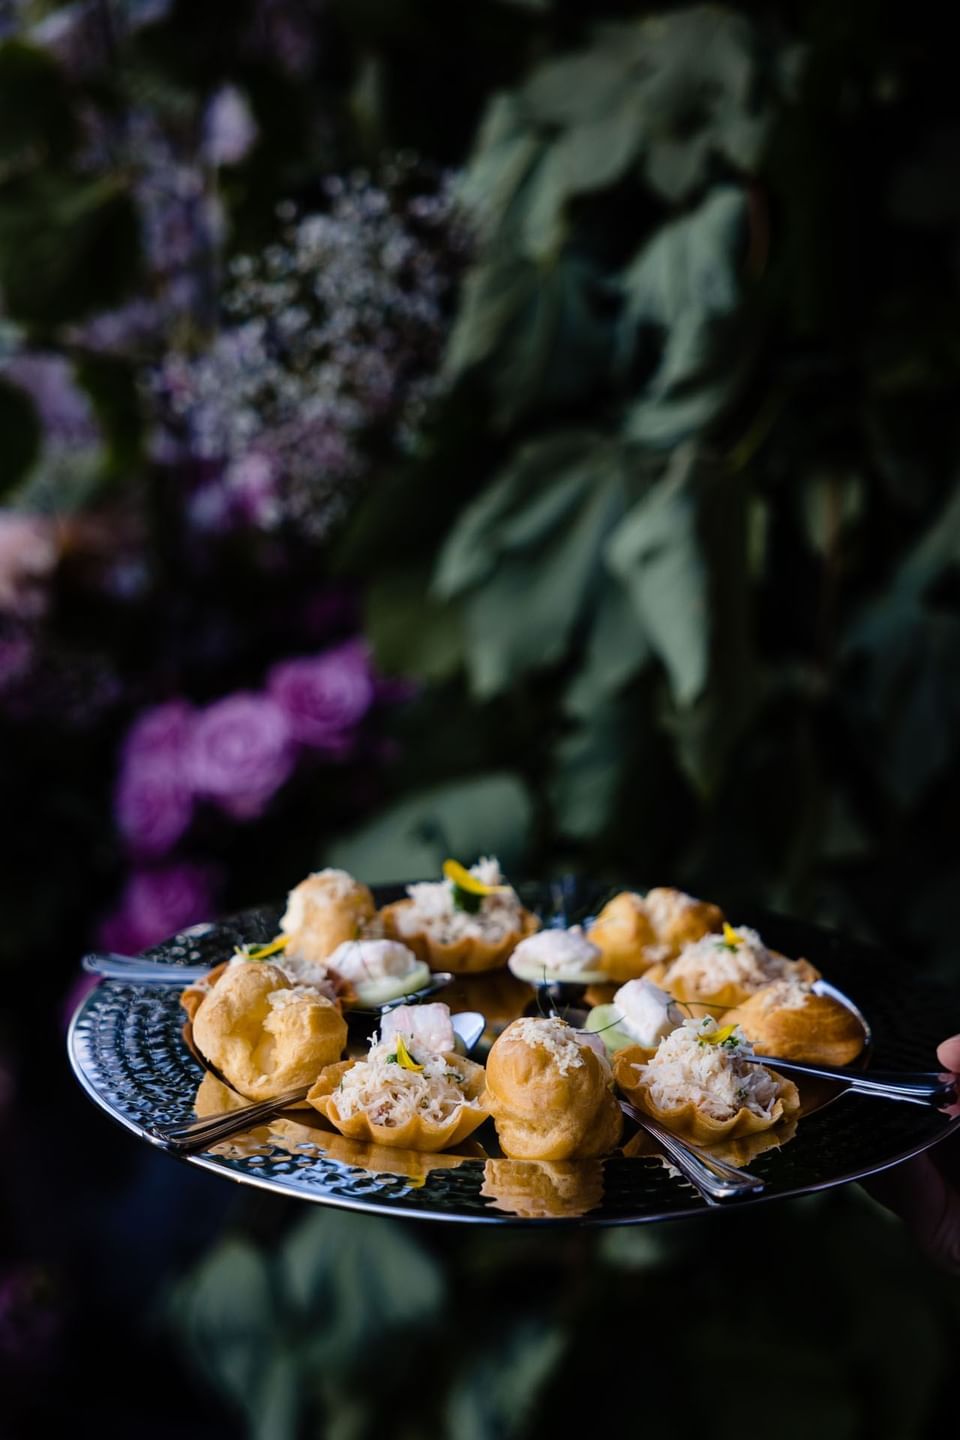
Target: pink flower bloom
[[324, 697], [157, 903], [240, 753], [153, 803], [28, 556]]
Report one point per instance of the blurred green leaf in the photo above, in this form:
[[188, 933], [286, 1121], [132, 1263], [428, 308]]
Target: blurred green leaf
[[37, 124], [411, 633], [526, 554], [487, 814], [227, 1313], [549, 323], [112, 386], [496, 1396], [616, 649], [68, 245], [905, 692], [684, 295], [351, 1279], [21, 434], [657, 553], [590, 762]]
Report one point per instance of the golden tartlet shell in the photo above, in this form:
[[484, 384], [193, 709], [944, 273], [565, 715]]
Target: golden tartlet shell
[[542, 1113], [470, 955], [688, 1120], [416, 1133]]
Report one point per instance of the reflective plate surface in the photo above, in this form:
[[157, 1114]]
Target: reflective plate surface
[[127, 1050]]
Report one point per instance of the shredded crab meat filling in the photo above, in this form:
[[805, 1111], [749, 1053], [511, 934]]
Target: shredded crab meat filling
[[391, 1095], [293, 995], [690, 1066], [784, 995], [554, 1036], [665, 906], [711, 963], [434, 909], [302, 974]]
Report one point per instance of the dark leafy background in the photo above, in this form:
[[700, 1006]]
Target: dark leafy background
[[625, 542]]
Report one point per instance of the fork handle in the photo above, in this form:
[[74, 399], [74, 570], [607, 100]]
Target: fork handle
[[192, 1135], [922, 1088], [715, 1179], [137, 971]]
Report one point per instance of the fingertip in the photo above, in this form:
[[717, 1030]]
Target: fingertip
[[948, 1053]]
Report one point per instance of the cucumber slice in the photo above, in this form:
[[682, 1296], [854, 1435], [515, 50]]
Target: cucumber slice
[[603, 1019], [378, 992], [534, 974]]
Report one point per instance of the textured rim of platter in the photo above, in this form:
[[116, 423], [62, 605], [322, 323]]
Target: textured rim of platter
[[126, 1048]]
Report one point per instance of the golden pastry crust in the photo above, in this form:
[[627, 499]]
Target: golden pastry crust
[[412, 1165], [261, 1048], [543, 1112], [416, 1133], [194, 995], [323, 911], [718, 999], [689, 1120], [468, 955], [543, 1189], [634, 932], [821, 1030]]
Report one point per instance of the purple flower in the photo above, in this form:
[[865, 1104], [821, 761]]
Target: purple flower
[[229, 129], [157, 903], [65, 411], [324, 697], [240, 753], [153, 803]]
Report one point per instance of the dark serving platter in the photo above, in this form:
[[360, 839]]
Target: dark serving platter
[[127, 1049]]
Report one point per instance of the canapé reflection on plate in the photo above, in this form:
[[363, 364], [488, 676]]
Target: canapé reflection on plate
[[304, 1137], [543, 1189], [738, 1153]]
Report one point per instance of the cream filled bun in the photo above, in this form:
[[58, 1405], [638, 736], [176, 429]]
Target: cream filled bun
[[264, 1035], [636, 931], [378, 970], [323, 911], [699, 1083], [550, 1093], [549, 956], [789, 1020], [543, 1189]]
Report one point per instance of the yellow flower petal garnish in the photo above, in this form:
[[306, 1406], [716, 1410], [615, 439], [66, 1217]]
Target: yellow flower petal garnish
[[464, 880], [261, 952], [731, 937], [404, 1057], [717, 1037]]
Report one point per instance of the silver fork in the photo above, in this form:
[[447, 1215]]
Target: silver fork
[[715, 1179], [918, 1088]]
